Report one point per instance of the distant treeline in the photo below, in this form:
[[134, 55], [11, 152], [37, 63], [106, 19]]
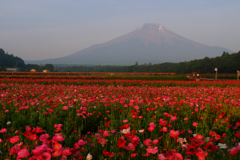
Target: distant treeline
[[226, 63], [11, 61]]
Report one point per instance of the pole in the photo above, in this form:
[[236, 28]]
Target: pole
[[238, 74], [216, 73]]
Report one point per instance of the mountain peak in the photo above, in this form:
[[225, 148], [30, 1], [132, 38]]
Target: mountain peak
[[150, 25], [153, 27]]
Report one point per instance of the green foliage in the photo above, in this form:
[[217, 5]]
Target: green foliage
[[7, 60], [39, 68], [227, 63], [48, 67]]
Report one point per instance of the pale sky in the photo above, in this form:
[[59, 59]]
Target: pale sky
[[43, 29]]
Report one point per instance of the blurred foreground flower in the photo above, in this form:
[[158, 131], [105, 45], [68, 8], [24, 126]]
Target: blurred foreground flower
[[89, 157]]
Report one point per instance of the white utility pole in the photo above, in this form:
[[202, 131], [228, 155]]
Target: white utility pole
[[216, 73]]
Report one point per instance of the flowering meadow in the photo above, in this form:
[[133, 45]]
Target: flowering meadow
[[100, 119]]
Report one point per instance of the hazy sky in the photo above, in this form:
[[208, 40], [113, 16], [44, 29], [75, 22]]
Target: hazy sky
[[42, 29]]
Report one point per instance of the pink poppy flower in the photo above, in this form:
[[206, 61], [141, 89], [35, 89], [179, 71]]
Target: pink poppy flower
[[152, 124], [151, 128], [106, 133], [201, 154], [65, 108], [125, 131], [155, 141], [174, 134], [199, 137], [152, 150], [113, 131], [15, 149], [125, 121], [173, 118], [100, 140], [58, 125], [28, 128], [177, 156], [161, 157], [195, 124], [130, 146], [39, 150], [3, 130], [56, 153], [14, 139], [89, 157], [58, 137], [81, 142], [135, 139], [57, 147], [23, 153], [162, 122], [66, 152], [45, 156], [147, 142], [164, 129], [189, 131], [136, 107], [44, 137]]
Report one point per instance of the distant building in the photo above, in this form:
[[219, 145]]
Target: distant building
[[32, 70], [12, 69], [46, 70]]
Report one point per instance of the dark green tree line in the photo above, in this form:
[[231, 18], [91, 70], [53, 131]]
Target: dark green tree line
[[11, 61], [226, 63]]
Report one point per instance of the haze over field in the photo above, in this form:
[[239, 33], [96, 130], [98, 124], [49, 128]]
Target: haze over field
[[37, 30]]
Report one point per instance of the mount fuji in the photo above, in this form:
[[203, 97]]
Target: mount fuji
[[148, 43]]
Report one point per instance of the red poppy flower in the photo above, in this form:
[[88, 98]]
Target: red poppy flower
[[14, 139], [209, 146], [237, 134], [233, 152], [191, 150], [212, 133], [121, 142], [32, 137], [237, 124], [224, 135]]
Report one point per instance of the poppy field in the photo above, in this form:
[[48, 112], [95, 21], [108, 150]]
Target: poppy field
[[119, 119]]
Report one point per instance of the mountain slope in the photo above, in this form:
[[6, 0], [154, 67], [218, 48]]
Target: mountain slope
[[148, 43]]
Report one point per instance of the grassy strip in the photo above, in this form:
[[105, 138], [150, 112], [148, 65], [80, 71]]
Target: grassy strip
[[230, 83]]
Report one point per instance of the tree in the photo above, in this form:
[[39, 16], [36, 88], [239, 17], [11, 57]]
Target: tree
[[49, 67], [7, 60]]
